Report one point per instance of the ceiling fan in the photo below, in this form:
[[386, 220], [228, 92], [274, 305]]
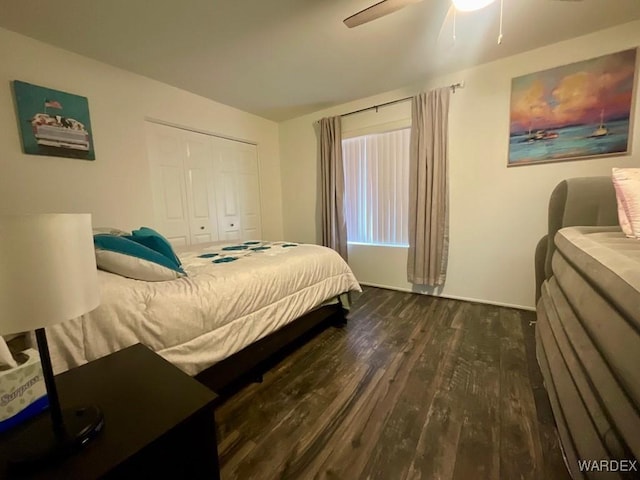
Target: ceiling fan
[[385, 7]]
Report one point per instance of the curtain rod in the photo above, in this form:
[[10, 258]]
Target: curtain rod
[[453, 87]]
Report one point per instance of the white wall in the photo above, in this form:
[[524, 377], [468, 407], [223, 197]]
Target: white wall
[[497, 213], [116, 187]]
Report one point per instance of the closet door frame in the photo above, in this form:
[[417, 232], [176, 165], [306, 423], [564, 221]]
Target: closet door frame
[[225, 170]]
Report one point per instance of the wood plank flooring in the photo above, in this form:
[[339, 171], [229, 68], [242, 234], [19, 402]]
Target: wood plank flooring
[[413, 387]]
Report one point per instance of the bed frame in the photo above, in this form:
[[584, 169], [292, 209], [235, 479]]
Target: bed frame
[[248, 365]]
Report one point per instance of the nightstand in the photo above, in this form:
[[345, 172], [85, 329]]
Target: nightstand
[[159, 422]]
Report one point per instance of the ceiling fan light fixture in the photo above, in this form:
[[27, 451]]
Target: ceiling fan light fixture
[[470, 5]]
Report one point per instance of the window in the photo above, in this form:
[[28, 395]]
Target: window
[[376, 171]]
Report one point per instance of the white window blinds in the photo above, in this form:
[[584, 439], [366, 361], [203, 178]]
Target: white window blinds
[[376, 170]]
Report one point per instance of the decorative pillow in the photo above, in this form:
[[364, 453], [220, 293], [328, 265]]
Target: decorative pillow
[[623, 219], [626, 182], [110, 231], [153, 240], [125, 257]]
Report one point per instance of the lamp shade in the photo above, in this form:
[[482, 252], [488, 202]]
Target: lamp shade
[[48, 270]]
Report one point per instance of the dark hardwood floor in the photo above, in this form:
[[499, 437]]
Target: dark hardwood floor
[[412, 387]]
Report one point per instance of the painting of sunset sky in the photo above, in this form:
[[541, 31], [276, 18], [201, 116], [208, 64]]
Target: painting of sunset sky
[[574, 111]]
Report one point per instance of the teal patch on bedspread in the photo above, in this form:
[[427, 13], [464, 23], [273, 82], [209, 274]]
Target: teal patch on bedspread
[[208, 255], [252, 243], [224, 259], [235, 247], [289, 245], [257, 249]]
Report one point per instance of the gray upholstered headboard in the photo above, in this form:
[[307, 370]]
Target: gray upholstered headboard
[[581, 201]]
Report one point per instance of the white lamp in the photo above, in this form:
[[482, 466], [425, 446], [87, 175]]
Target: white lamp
[[48, 275], [470, 5]]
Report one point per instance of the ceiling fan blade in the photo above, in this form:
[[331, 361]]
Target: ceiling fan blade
[[446, 37], [380, 9]]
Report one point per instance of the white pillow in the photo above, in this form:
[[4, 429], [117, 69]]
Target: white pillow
[[626, 182], [122, 256]]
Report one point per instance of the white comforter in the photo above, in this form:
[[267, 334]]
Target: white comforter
[[217, 310]]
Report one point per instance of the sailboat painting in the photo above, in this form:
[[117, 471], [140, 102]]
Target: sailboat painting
[[577, 111]]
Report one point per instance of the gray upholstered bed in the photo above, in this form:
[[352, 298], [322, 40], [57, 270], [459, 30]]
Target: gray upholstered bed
[[588, 335]]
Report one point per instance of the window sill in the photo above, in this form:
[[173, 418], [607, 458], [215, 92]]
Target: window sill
[[390, 245]]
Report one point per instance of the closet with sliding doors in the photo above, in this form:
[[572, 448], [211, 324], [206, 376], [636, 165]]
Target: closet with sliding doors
[[205, 188]]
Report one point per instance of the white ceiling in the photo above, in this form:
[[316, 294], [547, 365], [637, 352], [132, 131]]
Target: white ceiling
[[283, 58]]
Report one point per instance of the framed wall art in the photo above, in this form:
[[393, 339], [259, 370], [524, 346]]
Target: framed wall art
[[53, 123], [577, 111]]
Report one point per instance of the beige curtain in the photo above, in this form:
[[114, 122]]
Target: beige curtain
[[334, 225], [429, 189]]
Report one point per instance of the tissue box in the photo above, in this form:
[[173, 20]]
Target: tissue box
[[22, 391]]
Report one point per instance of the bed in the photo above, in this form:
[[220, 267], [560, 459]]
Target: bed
[[219, 311], [588, 325]]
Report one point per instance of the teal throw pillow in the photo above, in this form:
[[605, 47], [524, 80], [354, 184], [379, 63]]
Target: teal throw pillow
[[122, 256], [155, 241]]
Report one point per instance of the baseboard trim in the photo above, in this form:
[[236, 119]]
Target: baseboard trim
[[453, 297]]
